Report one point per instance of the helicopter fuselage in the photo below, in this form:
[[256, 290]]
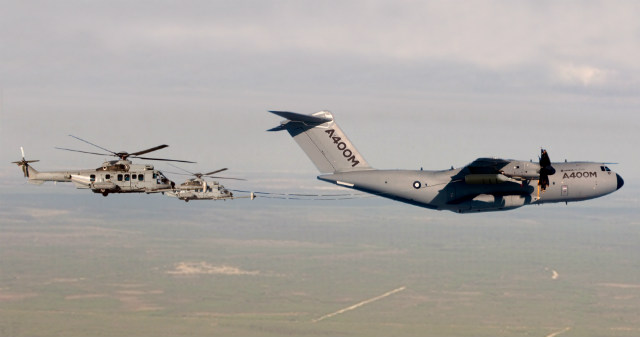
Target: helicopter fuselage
[[200, 189], [119, 176]]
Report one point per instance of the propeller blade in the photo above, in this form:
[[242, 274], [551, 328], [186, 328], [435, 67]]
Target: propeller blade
[[546, 169], [149, 150], [544, 158]]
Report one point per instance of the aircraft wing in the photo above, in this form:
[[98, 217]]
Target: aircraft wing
[[497, 170], [487, 166]]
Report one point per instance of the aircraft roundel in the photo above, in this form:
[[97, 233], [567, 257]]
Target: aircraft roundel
[[417, 184]]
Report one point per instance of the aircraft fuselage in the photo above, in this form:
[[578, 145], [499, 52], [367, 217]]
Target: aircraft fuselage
[[443, 190]]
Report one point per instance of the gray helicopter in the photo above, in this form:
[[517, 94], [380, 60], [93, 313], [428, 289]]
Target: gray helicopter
[[115, 176], [486, 184], [197, 188]]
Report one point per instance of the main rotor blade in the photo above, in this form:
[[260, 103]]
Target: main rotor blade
[[164, 159], [178, 173], [225, 178], [216, 171], [180, 168], [149, 150], [99, 154], [100, 147]]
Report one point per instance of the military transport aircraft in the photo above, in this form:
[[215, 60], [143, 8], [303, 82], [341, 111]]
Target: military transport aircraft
[[115, 176], [486, 184], [197, 188]]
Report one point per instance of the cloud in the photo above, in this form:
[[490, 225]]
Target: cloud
[[582, 74], [488, 34], [127, 73]]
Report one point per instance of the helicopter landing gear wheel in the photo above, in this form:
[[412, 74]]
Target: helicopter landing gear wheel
[[104, 193]]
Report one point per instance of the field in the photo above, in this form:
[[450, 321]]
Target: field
[[80, 265]]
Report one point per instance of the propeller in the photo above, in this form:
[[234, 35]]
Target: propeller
[[24, 164], [200, 175], [546, 169], [123, 155]]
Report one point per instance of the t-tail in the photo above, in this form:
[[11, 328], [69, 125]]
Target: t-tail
[[28, 171], [323, 141]]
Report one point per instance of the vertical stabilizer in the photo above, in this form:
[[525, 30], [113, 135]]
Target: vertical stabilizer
[[323, 141]]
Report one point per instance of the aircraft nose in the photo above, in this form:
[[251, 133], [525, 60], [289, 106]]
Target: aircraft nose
[[620, 181]]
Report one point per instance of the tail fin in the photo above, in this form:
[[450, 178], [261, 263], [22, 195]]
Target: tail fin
[[323, 141]]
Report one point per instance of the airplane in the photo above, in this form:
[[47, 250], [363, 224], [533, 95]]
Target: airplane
[[198, 188], [486, 184], [115, 176]]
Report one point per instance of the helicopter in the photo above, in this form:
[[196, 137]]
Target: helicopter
[[197, 188], [114, 176]]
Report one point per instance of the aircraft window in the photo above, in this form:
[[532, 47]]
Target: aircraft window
[[92, 177], [134, 176], [141, 177], [126, 177], [607, 169], [154, 175], [108, 176], [119, 177], [601, 168]]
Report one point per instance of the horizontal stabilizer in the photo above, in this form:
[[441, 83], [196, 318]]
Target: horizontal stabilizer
[[297, 117]]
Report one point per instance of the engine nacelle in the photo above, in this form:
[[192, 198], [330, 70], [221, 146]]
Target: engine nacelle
[[522, 170]]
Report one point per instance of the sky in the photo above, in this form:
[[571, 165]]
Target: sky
[[414, 84]]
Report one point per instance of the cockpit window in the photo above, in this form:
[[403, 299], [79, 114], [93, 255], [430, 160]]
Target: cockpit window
[[605, 168]]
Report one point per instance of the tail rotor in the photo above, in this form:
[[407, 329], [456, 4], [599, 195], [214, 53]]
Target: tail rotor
[[24, 164]]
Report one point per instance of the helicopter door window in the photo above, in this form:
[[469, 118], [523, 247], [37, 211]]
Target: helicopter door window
[[119, 177], [126, 177], [140, 177], [134, 176], [107, 176], [92, 177]]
